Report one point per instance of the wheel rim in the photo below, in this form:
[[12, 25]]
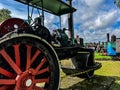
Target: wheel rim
[[23, 67]]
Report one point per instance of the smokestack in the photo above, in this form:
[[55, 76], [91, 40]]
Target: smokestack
[[108, 37], [113, 38], [70, 21]]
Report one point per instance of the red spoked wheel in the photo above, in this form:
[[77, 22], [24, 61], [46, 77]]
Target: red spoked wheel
[[28, 63], [11, 24]]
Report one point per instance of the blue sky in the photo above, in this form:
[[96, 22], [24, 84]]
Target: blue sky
[[92, 20]]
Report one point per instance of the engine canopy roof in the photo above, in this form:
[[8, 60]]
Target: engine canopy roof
[[56, 7]]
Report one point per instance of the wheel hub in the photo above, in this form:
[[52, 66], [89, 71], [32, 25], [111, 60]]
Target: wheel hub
[[24, 81], [28, 83]]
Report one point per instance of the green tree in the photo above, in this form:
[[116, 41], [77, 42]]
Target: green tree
[[117, 2], [4, 14]]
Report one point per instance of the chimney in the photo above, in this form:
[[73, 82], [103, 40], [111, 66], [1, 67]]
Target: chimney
[[108, 37]]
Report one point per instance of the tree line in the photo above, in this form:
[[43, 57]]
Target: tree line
[[4, 14]]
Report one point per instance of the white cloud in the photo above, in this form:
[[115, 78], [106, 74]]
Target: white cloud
[[93, 3], [102, 21], [107, 19], [116, 32], [64, 21], [50, 21], [93, 15]]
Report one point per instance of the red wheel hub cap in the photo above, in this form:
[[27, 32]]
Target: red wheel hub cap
[[25, 81]]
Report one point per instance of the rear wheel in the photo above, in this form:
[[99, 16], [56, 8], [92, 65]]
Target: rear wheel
[[27, 62]]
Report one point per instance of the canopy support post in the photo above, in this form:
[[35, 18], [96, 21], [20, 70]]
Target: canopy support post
[[70, 22], [42, 13], [28, 13], [60, 22]]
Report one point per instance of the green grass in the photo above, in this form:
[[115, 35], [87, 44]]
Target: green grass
[[99, 56], [106, 78], [110, 69]]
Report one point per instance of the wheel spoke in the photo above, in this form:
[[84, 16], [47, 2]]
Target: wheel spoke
[[17, 54], [10, 61], [3, 88], [42, 80], [40, 65], [6, 73], [43, 70], [28, 56], [27, 66], [7, 81], [35, 56]]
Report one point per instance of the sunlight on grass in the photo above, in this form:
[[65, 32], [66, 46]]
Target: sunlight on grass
[[109, 68]]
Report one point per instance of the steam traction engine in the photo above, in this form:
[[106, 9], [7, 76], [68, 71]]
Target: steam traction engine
[[28, 59]]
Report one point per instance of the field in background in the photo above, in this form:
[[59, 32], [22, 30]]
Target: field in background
[[99, 56]]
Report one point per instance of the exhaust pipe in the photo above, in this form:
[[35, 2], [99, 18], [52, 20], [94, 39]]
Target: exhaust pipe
[[108, 36]]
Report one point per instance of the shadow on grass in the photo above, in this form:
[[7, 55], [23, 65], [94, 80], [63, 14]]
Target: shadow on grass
[[96, 83]]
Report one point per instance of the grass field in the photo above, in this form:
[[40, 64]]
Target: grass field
[[110, 70], [106, 78], [99, 56]]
